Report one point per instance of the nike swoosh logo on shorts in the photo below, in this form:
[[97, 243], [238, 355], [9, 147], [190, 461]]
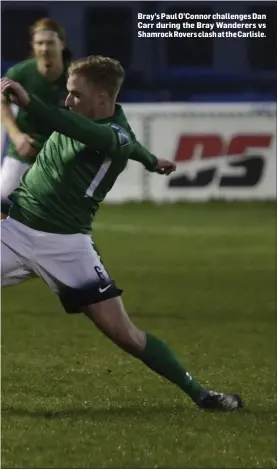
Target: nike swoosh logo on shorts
[[103, 289]]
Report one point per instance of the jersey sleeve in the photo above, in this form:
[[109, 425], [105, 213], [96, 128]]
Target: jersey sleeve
[[101, 137], [143, 156], [14, 73]]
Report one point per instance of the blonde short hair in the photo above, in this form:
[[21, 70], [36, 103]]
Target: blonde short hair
[[102, 71]]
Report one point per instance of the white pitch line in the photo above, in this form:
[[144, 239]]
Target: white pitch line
[[163, 270], [176, 230]]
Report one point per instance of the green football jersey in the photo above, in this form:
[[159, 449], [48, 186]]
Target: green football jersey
[[27, 74], [77, 167]]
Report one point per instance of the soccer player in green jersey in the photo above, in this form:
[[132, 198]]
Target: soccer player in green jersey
[[48, 231], [45, 75]]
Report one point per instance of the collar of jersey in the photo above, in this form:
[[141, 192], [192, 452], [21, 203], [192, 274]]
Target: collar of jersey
[[116, 115]]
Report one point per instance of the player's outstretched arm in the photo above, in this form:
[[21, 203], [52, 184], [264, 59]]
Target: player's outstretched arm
[[150, 161], [143, 156], [98, 136]]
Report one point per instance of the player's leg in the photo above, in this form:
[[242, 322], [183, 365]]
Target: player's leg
[[12, 171], [71, 264], [83, 285], [14, 268], [112, 319]]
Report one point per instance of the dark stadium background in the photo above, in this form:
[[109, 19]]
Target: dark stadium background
[[157, 69]]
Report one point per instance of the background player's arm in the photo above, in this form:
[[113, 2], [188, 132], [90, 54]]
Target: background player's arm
[[7, 117], [100, 137], [22, 142]]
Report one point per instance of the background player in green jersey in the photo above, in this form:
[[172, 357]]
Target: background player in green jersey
[[45, 75], [77, 167]]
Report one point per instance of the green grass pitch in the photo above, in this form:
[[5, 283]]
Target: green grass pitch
[[199, 276]]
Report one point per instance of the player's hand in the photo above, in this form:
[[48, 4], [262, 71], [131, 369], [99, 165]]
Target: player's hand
[[23, 144], [165, 167], [17, 94]]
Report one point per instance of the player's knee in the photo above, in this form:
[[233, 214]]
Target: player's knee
[[112, 319]]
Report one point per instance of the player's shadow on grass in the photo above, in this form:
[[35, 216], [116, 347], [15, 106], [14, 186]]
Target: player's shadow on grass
[[177, 412], [143, 412]]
